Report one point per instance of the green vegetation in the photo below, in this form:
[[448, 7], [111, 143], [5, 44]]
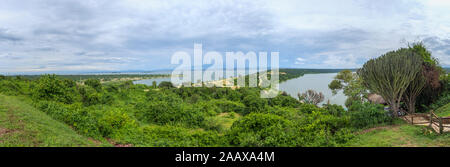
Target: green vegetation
[[101, 77], [400, 135], [141, 115], [56, 111], [443, 111], [23, 125], [390, 74], [352, 87]]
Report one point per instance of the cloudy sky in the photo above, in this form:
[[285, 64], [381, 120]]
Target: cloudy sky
[[38, 36]]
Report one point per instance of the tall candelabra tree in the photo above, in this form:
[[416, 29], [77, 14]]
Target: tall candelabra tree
[[390, 75], [414, 89]]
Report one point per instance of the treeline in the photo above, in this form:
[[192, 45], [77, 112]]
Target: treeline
[[287, 74], [103, 77]]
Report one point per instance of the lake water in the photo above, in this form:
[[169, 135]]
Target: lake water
[[316, 82], [150, 81]]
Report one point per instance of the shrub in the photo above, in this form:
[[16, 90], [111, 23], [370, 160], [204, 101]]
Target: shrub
[[10, 87], [335, 110], [49, 87], [309, 108], [114, 121], [254, 104], [89, 96], [171, 136], [94, 83], [258, 129], [83, 120], [284, 100], [165, 84], [367, 114], [229, 106]]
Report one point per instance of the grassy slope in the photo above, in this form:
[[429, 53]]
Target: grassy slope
[[444, 111], [400, 135], [23, 125]]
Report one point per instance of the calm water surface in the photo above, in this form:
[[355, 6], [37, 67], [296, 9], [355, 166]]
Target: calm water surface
[[316, 82]]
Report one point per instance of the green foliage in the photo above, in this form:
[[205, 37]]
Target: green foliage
[[10, 87], [367, 115], [390, 75], [139, 115], [283, 100], [261, 130], [227, 106], [165, 84], [49, 87], [114, 121], [254, 104], [420, 49], [94, 83], [309, 108], [335, 110], [351, 84], [89, 96], [26, 126]]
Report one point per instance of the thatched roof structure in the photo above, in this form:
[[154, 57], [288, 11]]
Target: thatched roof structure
[[377, 99]]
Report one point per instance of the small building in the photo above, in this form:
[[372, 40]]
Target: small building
[[375, 98]]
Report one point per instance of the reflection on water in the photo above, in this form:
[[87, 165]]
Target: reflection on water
[[316, 82]]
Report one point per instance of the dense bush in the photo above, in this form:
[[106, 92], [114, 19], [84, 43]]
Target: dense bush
[[254, 104], [284, 100], [9, 87], [49, 87], [89, 96], [368, 114], [165, 84], [114, 121], [81, 119], [94, 83], [229, 106], [260, 130]]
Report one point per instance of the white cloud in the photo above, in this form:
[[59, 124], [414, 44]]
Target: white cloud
[[135, 34], [300, 60]]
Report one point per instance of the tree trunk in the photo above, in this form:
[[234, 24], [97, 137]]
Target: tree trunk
[[394, 108], [412, 106]]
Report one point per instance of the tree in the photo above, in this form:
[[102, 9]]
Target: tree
[[94, 83], [427, 77], [352, 86], [390, 74], [154, 84], [414, 89], [165, 84], [311, 97]]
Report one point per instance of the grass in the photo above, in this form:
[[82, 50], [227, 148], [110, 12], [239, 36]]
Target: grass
[[21, 125], [224, 121], [400, 135], [443, 111]]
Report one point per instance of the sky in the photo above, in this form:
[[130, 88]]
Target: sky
[[41, 36]]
